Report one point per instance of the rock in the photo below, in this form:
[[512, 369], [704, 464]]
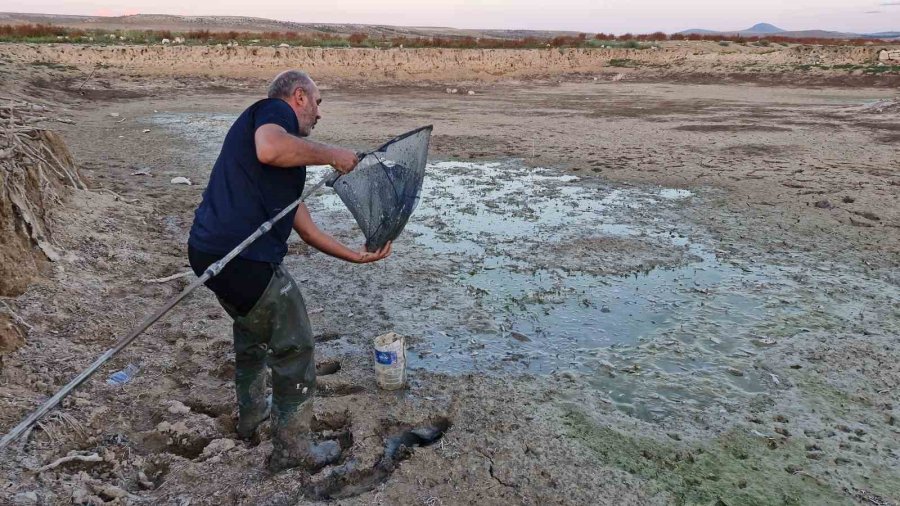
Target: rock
[[109, 492], [26, 498], [604, 309], [181, 180], [518, 336], [823, 204], [848, 200], [217, 446], [283, 45], [471, 92], [177, 408], [734, 372], [145, 131], [114, 114]]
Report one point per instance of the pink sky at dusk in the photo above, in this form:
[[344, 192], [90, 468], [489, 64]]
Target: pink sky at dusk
[[618, 16]]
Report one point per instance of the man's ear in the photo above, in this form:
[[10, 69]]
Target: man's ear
[[299, 96]]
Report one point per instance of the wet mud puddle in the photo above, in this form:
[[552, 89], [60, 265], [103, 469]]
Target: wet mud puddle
[[506, 269]]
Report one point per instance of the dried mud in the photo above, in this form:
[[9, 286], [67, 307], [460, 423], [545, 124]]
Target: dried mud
[[604, 307]]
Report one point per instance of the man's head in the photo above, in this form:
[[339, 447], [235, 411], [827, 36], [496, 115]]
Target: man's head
[[301, 93]]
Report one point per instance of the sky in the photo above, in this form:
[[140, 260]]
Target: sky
[[617, 16]]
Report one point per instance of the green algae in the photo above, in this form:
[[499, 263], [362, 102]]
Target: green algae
[[736, 468]]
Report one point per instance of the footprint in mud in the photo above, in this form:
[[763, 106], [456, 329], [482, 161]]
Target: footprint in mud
[[328, 367], [348, 479], [333, 387]]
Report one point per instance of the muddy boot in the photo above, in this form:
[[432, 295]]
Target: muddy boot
[[253, 406], [292, 446]]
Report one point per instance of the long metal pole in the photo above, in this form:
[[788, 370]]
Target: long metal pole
[[210, 272]]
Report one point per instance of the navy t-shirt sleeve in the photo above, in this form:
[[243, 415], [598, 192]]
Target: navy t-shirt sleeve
[[277, 112]]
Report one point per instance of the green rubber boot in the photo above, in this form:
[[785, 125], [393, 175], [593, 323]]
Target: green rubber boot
[[291, 442], [253, 406]]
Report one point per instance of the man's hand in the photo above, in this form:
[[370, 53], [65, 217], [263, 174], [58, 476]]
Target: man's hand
[[327, 244], [343, 160], [366, 257]]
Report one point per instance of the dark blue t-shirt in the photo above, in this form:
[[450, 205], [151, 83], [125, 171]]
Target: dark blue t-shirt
[[243, 193]]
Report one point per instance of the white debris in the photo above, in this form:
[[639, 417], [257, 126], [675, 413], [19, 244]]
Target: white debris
[[283, 44], [181, 180], [166, 41], [114, 114], [146, 131], [471, 92], [179, 40]]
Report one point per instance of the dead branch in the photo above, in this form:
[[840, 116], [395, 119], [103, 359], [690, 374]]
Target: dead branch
[[71, 458]]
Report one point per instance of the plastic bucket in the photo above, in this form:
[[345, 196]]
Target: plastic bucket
[[390, 361]]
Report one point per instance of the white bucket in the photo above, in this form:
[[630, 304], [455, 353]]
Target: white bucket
[[390, 361]]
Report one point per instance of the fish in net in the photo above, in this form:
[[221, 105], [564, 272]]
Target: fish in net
[[384, 188]]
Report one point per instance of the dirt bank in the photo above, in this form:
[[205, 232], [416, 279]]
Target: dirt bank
[[443, 65]]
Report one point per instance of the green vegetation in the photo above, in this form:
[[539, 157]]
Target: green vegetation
[[881, 69], [849, 67], [328, 37], [623, 62], [735, 468], [53, 65]]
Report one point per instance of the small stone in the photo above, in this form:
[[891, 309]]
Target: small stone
[[471, 92], [110, 492], [177, 408], [734, 372], [26, 498], [181, 180], [604, 309], [823, 204], [518, 336], [146, 131], [114, 114], [217, 446], [848, 200]]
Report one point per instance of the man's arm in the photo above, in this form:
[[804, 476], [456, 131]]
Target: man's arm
[[327, 244], [274, 146]]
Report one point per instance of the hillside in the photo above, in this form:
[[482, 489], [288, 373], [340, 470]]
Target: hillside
[[252, 24], [763, 29]]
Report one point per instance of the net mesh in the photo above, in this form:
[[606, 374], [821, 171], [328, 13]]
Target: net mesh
[[384, 189]]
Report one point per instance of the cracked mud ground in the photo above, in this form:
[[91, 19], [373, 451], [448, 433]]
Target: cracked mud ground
[[800, 409]]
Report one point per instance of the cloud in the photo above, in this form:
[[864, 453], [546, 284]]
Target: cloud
[[890, 3], [872, 12]]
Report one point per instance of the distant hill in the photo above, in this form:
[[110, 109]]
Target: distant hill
[[762, 29], [252, 24]]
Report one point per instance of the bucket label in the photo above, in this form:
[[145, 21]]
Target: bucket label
[[385, 357]]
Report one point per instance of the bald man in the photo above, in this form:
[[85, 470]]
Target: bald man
[[261, 170]]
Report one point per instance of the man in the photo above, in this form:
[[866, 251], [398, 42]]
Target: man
[[260, 170]]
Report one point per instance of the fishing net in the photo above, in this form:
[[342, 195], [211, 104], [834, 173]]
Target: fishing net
[[384, 188]]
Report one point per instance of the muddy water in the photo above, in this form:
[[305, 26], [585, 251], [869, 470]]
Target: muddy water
[[506, 269]]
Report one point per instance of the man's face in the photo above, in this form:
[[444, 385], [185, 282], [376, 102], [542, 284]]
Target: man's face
[[306, 107]]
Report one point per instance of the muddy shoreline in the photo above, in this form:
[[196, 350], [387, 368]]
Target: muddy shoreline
[[760, 364]]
